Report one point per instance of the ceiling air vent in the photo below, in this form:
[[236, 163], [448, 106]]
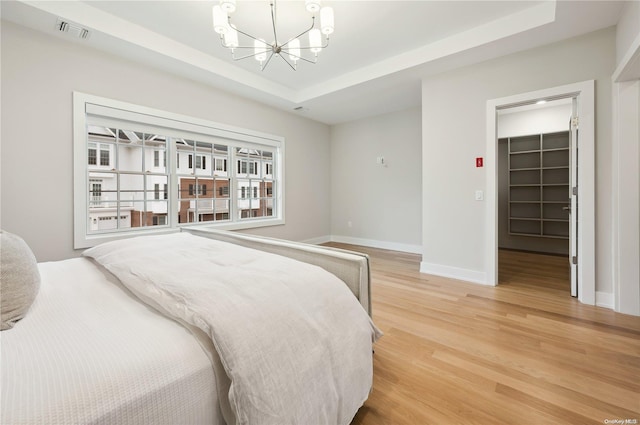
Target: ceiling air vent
[[73, 30]]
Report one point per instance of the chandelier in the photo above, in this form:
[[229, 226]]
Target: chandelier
[[263, 52]]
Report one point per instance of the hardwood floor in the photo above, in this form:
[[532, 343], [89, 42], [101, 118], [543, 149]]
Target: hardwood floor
[[523, 352]]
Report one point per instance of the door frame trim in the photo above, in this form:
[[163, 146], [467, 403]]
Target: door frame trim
[[585, 92]]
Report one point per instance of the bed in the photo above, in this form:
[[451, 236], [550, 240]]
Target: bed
[[111, 339]]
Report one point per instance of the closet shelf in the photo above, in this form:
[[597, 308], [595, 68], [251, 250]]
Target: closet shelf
[[523, 152], [524, 169], [538, 185]]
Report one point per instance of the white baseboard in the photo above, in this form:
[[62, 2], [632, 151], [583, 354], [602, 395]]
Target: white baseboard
[[393, 246], [317, 241], [604, 299], [472, 276]]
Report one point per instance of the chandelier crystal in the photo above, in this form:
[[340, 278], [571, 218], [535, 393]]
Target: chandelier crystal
[[264, 51]]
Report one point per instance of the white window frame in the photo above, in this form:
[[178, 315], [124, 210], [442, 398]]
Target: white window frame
[[100, 157], [172, 125], [96, 151], [220, 164]]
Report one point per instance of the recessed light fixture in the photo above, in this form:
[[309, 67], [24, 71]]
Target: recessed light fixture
[[541, 102]]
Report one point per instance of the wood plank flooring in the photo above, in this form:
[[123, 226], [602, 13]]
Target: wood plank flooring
[[523, 352]]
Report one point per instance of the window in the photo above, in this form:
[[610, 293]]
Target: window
[[247, 167], [221, 164], [124, 173], [159, 220], [92, 156], [199, 189], [98, 152], [96, 191], [104, 157], [201, 162]]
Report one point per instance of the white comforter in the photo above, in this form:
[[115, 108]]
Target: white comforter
[[292, 338], [88, 352]]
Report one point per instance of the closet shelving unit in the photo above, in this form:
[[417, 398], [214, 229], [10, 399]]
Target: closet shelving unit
[[539, 185]]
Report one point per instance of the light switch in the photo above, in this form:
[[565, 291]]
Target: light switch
[[479, 195]]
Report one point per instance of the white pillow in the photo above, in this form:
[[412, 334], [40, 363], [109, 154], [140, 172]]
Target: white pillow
[[19, 279]]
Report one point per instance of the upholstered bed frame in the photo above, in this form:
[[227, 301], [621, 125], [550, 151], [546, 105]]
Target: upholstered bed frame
[[351, 267]]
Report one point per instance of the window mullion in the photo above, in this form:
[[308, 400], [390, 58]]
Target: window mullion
[[233, 185], [173, 212], [116, 163]]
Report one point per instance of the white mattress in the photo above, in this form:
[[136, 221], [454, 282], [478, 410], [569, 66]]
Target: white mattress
[[89, 352]]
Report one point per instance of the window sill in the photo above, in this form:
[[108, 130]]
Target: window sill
[[96, 239], [238, 225]]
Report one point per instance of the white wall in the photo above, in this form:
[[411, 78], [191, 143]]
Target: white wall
[[535, 121], [382, 201], [627, 218], [626, 178], [39, 73], [548, 119], [453, 122], [628, 28]]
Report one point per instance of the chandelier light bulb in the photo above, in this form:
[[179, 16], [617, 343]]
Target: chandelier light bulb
[[312, 5], [294, 49], [228, 6], [260, 49], [315, 40], [231, 38], [220, 24], [326, 20]]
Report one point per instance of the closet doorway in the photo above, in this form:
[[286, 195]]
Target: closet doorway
[[550, 185], [535, 182]]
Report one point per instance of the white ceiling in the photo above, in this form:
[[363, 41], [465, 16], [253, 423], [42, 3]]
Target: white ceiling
[[377, 55]]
